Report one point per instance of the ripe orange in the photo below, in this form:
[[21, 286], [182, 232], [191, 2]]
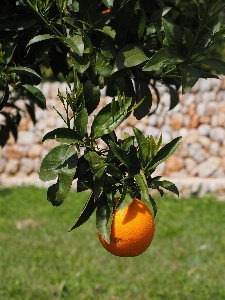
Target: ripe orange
[[132, 230]]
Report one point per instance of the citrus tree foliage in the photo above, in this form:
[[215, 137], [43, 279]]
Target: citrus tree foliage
[[125, 45]]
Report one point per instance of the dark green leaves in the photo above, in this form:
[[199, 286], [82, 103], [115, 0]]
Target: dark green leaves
[[164, 57], [143, 148], [103, 217], [144, 101], [61, 5], [23, 70], [173, 34], [129, 56], [214, 63], [18, 22], [105, 121], [142, 183], [189, 77], [165, 152], [81, 122], [60, 162], [91, 96], [36, 93], [120, 154], [97, 165], [5, 96], [88, 210], [158, 14]]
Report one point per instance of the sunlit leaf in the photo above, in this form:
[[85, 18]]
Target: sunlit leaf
[[22, 70], [165, 152], [63, 135], [40, 38], [129, 56], [76, 44], [105, 121]]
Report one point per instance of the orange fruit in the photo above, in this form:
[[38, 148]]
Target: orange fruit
[[105, 11], [132, 230]]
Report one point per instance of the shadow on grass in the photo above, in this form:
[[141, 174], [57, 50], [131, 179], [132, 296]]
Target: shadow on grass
[[5, 192]]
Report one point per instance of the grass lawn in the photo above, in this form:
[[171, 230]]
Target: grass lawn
[[40, 260]]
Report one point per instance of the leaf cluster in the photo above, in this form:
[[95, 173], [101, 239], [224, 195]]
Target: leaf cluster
[[125, 46], [122, 169]]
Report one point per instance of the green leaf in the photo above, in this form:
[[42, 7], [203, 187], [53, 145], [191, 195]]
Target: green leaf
[[108, 3], [126, 198], [164, 57], [40, 38], [82, 167], [87, 211], [9, 47], [142, 183], [102, 218], [113, 171], [92, 96], [189, 77], [58, 158], [174, 97], [129, 56], [108, 48], [135, 163], [170, 186], [87, 11], [81, 63], [142, 146], [165, 152], [18, 22], [127, 142], [5, 96], [189, 38], [59, 191], [23, 70], [81, 122], [158, 14], [173, 34], [108, 31], [96, 162], [63, 135], [103, 66], [105, 121], [36, 93], [152, 147], [61, 5], [144, 99], [85, 182], [61, 161], [217, 64], [120, 154], [137, 26], [153, 205], [76, 44]]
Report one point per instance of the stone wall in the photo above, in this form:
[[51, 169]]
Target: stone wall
[[198, 166]]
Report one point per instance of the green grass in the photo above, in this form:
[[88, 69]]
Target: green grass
[[42, 261]]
